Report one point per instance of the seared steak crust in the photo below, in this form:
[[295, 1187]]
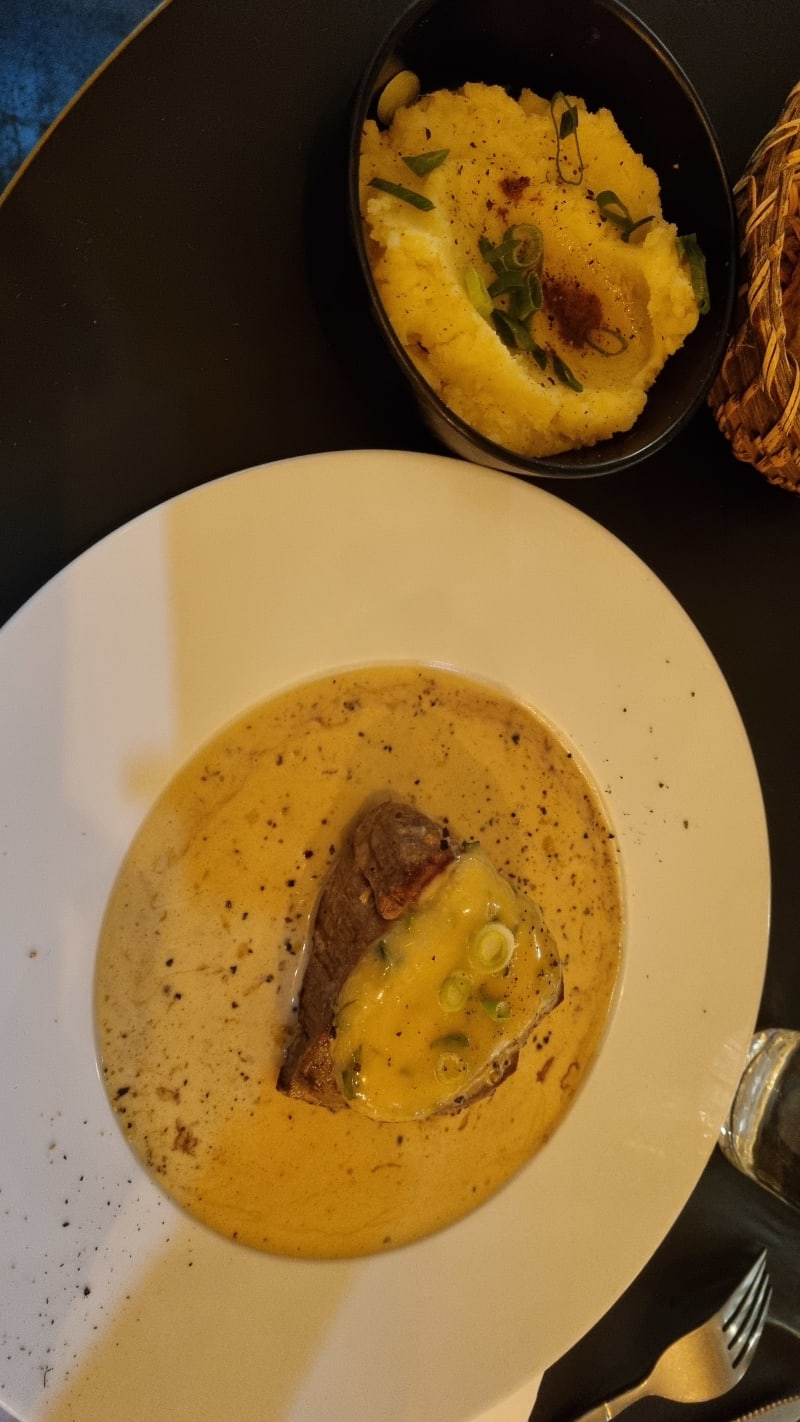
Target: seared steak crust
[[392, 853]]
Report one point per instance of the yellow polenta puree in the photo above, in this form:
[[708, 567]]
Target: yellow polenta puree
[[203, 940], [627, 290]]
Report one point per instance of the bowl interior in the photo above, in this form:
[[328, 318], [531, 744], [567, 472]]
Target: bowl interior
[[600, 51]]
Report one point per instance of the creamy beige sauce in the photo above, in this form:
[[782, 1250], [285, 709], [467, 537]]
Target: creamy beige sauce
[[203, 938]]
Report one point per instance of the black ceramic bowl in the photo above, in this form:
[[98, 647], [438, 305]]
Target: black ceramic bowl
[[599, 50]]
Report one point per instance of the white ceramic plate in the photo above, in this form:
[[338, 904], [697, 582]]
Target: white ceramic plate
[[114, 1304]]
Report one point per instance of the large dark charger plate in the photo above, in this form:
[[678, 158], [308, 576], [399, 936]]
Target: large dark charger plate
[[168, 313]]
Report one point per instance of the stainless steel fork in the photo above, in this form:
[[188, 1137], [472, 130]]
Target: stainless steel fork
[[708, 1361]]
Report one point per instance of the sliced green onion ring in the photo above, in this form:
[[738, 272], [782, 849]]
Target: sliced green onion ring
[[527, 299], [616, 338], [528, 248], [450, 1067], [405, 194], [496, 1008], [492, 947], [497, 257], [566, 127], [535, 289], [454, 992], [424, 163]]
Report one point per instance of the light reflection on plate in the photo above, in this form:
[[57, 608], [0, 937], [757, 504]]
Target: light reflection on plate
[[109, 678]]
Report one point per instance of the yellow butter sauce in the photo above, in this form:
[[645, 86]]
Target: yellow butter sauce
[[431, 1012], [202, 945]]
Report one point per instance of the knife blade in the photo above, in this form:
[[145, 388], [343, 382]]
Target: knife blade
[[785, 1409]]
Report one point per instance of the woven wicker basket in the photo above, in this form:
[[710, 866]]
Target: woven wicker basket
[[756, 395]]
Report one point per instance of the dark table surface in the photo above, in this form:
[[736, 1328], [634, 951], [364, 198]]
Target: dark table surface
[[165, 318]]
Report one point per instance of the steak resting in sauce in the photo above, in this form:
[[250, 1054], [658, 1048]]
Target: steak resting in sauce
[[391, 855]]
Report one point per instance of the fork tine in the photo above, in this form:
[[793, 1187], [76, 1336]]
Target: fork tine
[[741, 1361], [748, 1314], [740, 1323], [743, 1292], [739, 1326]]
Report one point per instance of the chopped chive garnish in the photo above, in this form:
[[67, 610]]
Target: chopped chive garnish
[[520, 250], [606, 341], [405, 194], [613, 209], [515, 335], [452, 1040], [475, 287], [565, 375], [689, 248], [496, 1008], [515, 261], [566, 126], [424, 163]]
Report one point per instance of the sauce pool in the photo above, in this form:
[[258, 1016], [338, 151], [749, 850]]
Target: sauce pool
[[202, 946]]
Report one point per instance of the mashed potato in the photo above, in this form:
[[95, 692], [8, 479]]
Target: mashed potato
[[607, 277]]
